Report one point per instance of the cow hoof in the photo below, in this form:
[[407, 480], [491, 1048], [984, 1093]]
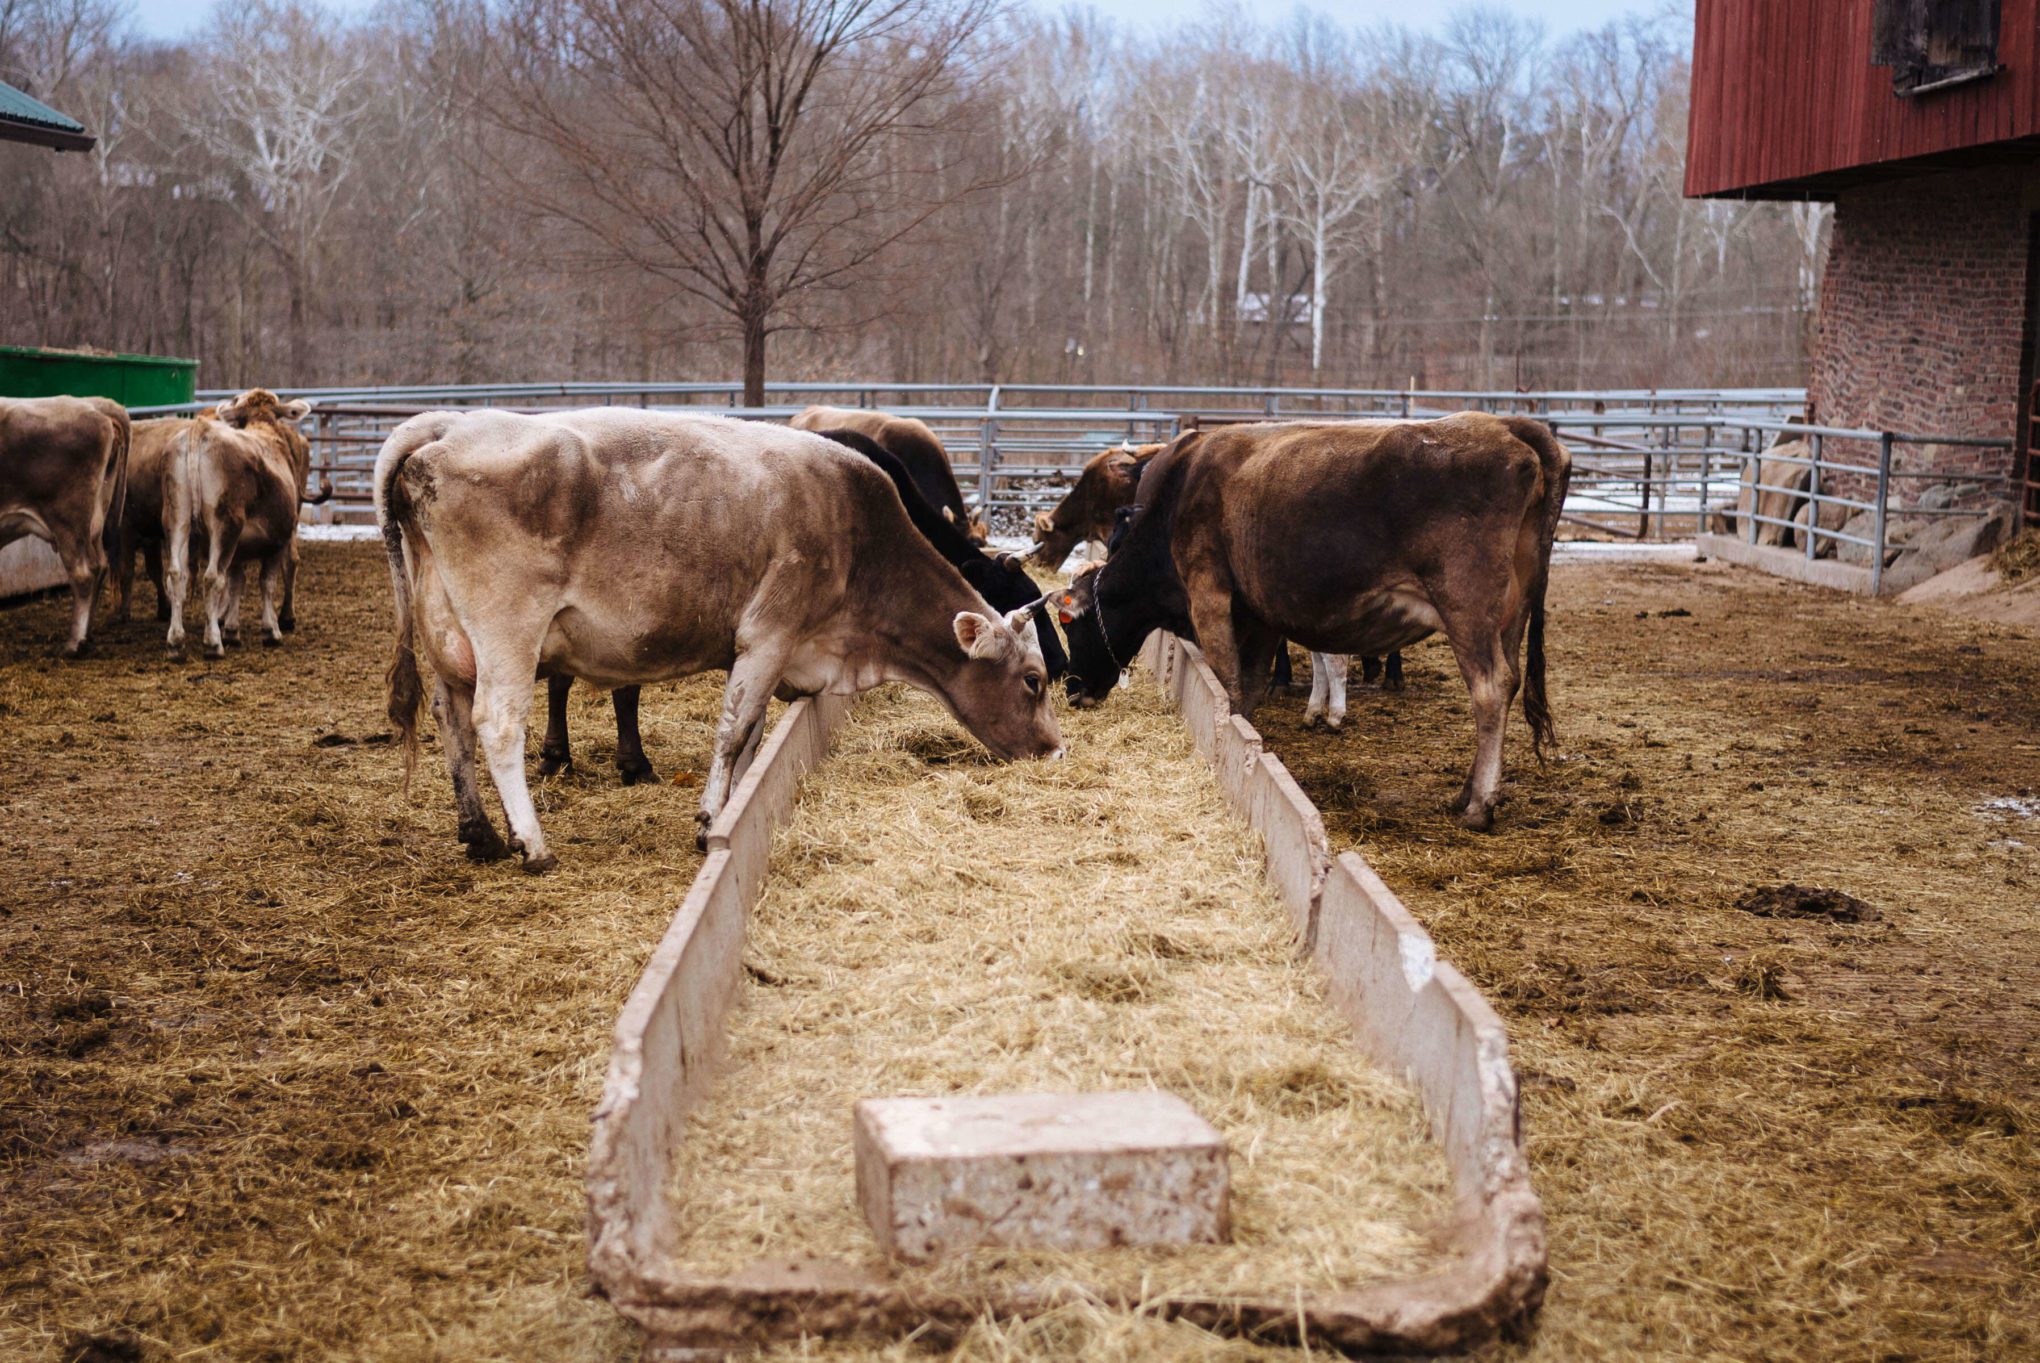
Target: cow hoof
[[553, 763], [215, 651], [288, 624], [485, 846], [231, 638], [1335, 722], [702, 819], [1478, 819], [176, 654], [272, 641], [634, 773], [78, 650], [538, 866]]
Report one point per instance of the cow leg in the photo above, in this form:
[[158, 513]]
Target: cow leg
[[1259, 649], [1370, 669], [124, 584], [230, 618], [744, 700], [176, 573], [223, 539], [286, 619], [556, 753], [1392, 680], [631, 763], [152, 560], [1328, 689], [455, 708], [1285, 676], [1491, 681], [502, 696], [273, 569], [85, 570]]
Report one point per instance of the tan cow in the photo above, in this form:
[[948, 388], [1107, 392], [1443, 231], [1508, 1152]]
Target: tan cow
[[913, 444], [63, 479], [266, 419], [622, 547], [234, 483], [1777, 485], [1106, 484]]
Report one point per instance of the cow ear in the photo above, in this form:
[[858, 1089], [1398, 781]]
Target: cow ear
[[1068, 606], [296, 411], [949, 514], [980, 635]]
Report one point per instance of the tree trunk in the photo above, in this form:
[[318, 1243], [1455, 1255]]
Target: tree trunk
[[754, 360]]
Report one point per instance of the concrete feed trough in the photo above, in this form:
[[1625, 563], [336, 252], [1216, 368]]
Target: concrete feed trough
[[1412, 1015]]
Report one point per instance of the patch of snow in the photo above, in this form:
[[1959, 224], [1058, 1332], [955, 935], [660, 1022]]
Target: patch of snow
[[2012, 807]]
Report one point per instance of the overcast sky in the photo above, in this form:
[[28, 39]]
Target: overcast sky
[[178, 18]]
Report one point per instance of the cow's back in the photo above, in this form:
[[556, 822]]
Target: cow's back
[[51, 447], [688, 513], [907, 439]]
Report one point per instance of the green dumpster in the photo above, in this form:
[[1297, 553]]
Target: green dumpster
[[131, 380]]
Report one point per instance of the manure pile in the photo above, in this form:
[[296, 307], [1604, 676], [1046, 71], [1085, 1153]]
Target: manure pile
[[936, 923]]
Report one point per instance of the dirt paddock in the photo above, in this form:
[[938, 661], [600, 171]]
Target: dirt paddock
[[282, 1076]]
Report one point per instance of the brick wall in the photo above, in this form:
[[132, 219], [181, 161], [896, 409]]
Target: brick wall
[[1922, 317]]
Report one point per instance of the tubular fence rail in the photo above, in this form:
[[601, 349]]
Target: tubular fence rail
[[1648, 464]]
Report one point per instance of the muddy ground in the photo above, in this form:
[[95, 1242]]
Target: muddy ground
[[282, 1076]]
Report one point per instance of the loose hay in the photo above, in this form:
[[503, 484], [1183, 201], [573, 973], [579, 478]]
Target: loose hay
[[935, 923]]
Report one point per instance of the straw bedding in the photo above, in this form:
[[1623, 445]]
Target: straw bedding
[[938, 923]]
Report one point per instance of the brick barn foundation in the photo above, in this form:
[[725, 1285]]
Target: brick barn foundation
[[1920, 121]]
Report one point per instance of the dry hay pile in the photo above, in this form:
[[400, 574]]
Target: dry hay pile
[[1765, 939], [281, 1075], [937, 923], [2018, 559]]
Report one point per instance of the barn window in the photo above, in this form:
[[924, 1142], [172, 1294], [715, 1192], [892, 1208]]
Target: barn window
[[1933, 44]]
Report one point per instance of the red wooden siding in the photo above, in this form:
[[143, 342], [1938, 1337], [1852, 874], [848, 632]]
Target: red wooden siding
[[1783, 92]]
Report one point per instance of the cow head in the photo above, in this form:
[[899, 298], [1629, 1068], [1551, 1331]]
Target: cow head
[[1095, 665], [259, 404], [973, 525], [1000, 691], [1108, 482]]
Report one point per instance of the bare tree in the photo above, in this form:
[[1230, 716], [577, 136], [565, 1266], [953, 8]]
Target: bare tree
[[283, 118], [733, 148]]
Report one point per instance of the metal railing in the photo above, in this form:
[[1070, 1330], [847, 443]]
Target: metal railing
[[1648, 464]]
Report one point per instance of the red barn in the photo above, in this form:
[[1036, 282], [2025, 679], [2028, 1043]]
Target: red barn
[[1920, 121]]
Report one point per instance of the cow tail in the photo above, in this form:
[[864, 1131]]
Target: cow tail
[[1556, 463], [407, 692], [110, 533]]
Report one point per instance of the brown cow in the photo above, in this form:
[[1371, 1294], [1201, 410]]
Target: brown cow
[[235, 481], [623, 547], [913, 444], [1085, 513], [1349, 539], [63, 479], [258, 411]]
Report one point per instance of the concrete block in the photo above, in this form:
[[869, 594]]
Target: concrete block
[[1043, 1170], [669, 1039], [1787, 563], [1375, 956], [1239, 747], [1458, 1058], [1298, 854], [763, 796], [1205, 709]]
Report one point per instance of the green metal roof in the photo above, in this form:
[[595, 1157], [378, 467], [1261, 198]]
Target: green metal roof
[[24, 118]]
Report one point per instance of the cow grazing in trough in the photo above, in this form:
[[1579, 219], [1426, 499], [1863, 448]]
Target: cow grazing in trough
[[232, 484], [625, 547], [914, 445], [1350, 539], [63, 479], [1001, 582], [1100, 507]]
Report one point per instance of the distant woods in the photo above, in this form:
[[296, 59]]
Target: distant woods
[[464, 191]]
